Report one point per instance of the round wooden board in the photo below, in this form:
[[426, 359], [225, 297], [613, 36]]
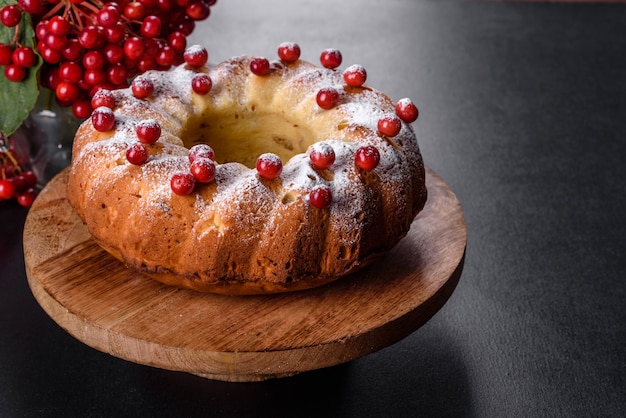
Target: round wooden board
[[240, 338]]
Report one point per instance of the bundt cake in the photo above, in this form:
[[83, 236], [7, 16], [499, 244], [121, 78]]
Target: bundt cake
[[249, 176]]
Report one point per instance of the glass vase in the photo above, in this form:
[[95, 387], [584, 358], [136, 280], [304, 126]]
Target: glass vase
[[46, 135]]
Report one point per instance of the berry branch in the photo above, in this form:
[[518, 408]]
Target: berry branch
[[76, 48], [15, 182]]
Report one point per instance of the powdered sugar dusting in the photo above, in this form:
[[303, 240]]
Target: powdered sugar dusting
[[239, 199]]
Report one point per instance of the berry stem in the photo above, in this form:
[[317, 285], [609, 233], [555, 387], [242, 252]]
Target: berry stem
[[88, 5], [55, 9], [6, 154], [16, 36]]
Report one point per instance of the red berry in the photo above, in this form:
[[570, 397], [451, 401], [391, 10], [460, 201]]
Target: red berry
[[269, 166], [166, 56], [6, 54], [150, 4], [152, 47], [289, 52], [186, 26], [103, 119], [142, 87], [183, 183], [115, 34], [34, 7], [327, 98], [19, 183], [59, 26], [134, 48], [103, 98], [322, 155], [135, 10], [148, 131], [117, 74], [94, 77], [30, 179], [67, 92], [71, 71], [178, 41], [201, 83], [114, 54], [72, 50], [203, 170], [201, 151], [260, 66], [389, 125], [50, 77], [331, 58], [198, 10], [355, 75], [93, 60], [146, 63], [14, 73], [150, 27], [164, 5], [27, 197], [92, 37], [24, 56], [321, 196], [55, 42], [41, 28], [196, 56], [406, 110], [7, 189], [108, 16], [113, 5], [10, 15], [137, 154], [82, 109], [367, 157], [49, 55], [84, 85]]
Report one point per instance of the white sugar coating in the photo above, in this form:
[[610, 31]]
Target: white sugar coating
[[271, 158], [101, 94], [142, 79], [239, 198], [405, 102], [331, 51], [355, 68], [324, 149], [104, 110], [288, 45], [195, 49], [323, 77], [201, 151], [149, 123], [366, 112]]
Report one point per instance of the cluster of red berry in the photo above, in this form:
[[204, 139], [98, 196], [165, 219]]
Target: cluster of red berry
[[87, 45], [15, 183]]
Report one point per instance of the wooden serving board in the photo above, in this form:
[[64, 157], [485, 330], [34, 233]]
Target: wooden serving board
[[240, 338]]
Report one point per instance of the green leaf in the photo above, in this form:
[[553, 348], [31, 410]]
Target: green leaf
[[18, 99]]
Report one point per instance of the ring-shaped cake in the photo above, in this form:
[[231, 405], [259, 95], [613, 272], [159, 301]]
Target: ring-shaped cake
[[312, 174]]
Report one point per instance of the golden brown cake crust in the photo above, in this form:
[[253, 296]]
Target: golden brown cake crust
[[243, 234]]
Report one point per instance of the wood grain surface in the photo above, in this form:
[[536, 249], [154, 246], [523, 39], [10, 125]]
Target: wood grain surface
[[240, 338]]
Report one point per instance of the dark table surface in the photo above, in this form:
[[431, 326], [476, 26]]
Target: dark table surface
[[523, 113]]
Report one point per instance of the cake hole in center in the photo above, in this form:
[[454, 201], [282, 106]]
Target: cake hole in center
[[244, 135]]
